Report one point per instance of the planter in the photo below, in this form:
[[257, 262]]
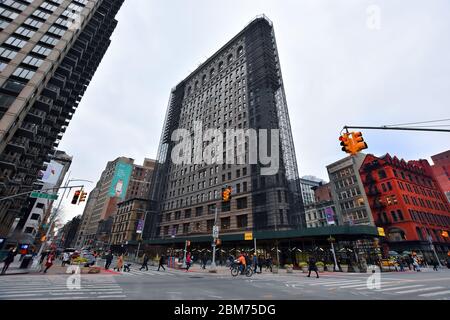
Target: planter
[[344, 268], [320, 268], [274, 269], [289, 269], [330, 267]]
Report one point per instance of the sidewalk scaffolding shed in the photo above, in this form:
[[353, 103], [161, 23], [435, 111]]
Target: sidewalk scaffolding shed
[[351, 244]]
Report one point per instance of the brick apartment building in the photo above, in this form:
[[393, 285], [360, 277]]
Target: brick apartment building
[[407, 201]]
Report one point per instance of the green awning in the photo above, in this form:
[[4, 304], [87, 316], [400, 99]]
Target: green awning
[[335, 231]]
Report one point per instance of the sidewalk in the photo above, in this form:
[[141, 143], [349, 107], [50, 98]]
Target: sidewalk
[[14, 268]]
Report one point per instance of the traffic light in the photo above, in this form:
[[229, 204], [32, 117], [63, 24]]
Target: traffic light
[[218, 242], [358, 142], [76, 196], [346, 143], [226, 194], [444, 234], [82, 197]]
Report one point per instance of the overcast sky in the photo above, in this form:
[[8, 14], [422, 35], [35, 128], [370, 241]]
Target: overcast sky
[[337, 68]]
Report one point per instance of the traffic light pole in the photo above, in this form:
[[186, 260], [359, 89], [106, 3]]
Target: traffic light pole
[[213, 263], [396, 128]]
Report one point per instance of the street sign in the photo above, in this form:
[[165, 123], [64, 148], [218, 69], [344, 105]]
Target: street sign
[[40, 195], [248, 236], [215, 232]]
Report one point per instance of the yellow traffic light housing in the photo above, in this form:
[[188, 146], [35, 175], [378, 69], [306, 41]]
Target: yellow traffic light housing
[[358, 142], [226, 194], [82, 197], [352, 142]]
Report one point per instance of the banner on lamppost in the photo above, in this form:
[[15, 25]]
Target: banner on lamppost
[[140, 226], [329, 213]]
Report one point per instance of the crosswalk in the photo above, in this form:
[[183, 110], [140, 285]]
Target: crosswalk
[[387, 287], [135, 272], [59, 287]]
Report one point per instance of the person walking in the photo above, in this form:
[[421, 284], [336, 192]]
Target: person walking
[[9, 259], [255, 263], [144, 263], [161, 262], [435, 265], [50, 259], [109, 259], [119, 265], [416, 264], [260, 263], [312, 267], [66, 259], [188, 261], [204, 261]]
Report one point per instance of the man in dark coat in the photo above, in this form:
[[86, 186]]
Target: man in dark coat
[[144, 263], [312, 267], [9, 259], [109, 259], [161, 263]]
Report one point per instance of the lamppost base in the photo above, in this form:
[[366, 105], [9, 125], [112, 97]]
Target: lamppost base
[[213, 268]]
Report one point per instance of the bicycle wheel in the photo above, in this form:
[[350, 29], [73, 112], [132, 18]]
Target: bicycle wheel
[[249, 272], [235, 272]]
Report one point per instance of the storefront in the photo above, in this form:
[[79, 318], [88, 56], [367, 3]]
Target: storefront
[[352, 244]]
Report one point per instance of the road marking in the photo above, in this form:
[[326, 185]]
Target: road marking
[[419, 290], [342, 283], [331, 283], [116, 296], [435, 294]]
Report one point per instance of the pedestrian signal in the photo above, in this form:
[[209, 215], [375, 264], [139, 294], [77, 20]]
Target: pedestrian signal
[[226, 194]]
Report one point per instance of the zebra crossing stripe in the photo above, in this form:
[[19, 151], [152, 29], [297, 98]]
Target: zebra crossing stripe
[[419, 290], [435, 294], [400, 287], [328, 283], [343, 283]]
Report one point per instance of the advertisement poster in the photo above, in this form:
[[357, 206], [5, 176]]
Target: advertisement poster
[[140, 226], [330, 215], [120, 180], [53, 172]]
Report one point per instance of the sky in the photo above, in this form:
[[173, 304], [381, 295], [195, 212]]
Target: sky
[[353, 62]]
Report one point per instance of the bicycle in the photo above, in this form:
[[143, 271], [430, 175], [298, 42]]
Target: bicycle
[[235, 270]]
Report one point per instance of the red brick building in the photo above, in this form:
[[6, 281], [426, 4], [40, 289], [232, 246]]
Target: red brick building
[[408, 203], [441, 170]]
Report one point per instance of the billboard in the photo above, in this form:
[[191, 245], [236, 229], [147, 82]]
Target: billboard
[[120, 180], [140, 226], [330, 215], [53, 172]]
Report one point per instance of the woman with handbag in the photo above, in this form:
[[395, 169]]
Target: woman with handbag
[[49, 262]]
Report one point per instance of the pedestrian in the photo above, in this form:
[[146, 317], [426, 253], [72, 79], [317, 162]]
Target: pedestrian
[[43, 255], [312, 266], [435, 265], [66, 259], [161, 262], [144, 263], [401, 264], [416, 264], [109, 259], [260, 263], [204, 261], [9, 259], [255, 263], [188, 261], [119, 264], [49, 262]]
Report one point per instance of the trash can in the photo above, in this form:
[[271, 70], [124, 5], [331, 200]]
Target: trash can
[[26, 261]]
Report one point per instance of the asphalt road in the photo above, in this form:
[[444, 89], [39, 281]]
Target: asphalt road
[[179, 285]]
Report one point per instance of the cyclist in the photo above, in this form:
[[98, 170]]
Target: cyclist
[[242, 263]]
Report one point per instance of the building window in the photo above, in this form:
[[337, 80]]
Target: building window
[[241, 221], [241, 203], [209, 225], [225, 223], [198, 211]]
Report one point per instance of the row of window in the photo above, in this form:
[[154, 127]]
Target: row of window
[[186, 228], [212, 71]]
